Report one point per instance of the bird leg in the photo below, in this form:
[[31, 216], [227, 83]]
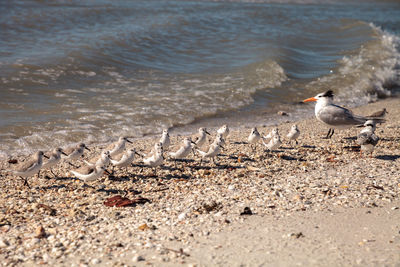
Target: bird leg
[[332, 132], [329, 134], [72, 165], [26, 182]]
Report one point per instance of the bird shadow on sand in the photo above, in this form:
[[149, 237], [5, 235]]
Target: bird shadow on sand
[[352, 148], [286, 157], [122, 178], [51, 187], [65, 178], [110, 191], [287, 147], [390, 139], [210, 166], [308, 146], [240, 143], [241, 158], [388, 157]]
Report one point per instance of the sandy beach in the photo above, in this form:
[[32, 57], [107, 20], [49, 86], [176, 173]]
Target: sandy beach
[[318, 203]]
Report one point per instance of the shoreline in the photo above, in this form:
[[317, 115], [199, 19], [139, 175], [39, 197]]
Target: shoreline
[[192, 206]]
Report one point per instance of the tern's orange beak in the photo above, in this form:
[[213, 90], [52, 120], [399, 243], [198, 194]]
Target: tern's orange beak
[[311, 99]]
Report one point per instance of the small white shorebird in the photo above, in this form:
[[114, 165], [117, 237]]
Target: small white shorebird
[[184, 150], [156, 159], [293, 134], [54, 159], [219, 139], [118, 147], [76, 151], [274, 143], [336, 117], [30, 167], [201, 137], [274, 131], [126, 159], [165, 140], [88, 174], [224, 130], [212, 152], [367, 137], [102, 160], [254, 137]]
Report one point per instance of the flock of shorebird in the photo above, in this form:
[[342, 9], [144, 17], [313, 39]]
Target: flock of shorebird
[[334, 116]]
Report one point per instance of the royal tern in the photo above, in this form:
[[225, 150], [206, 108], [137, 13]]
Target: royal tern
[[336, 117]]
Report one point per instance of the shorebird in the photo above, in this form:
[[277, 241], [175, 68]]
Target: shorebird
[[165, 140], [271, 134], [75, 152], [219, 139], [367, 137], [274, 143], [293, 134], [336, 117], [102, 160], [88, 174], [156, 159], [54, 159], [30, 167], [126, 159], [379, 114], [118, 147], [254, 137], [224, 130], [201, 137], [184, 150], [212, 152]]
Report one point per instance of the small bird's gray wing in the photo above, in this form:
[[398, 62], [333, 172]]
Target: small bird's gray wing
[[373, 140], [26, 166], [367, 139], [336, 115], [85, 170], [362, 138]]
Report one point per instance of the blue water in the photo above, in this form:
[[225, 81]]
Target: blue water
[[93, 70]]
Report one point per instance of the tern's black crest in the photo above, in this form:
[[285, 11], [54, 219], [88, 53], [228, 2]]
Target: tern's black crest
[[328, 93]]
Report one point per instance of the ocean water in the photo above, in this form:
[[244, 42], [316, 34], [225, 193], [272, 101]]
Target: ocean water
[[91, 71]]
